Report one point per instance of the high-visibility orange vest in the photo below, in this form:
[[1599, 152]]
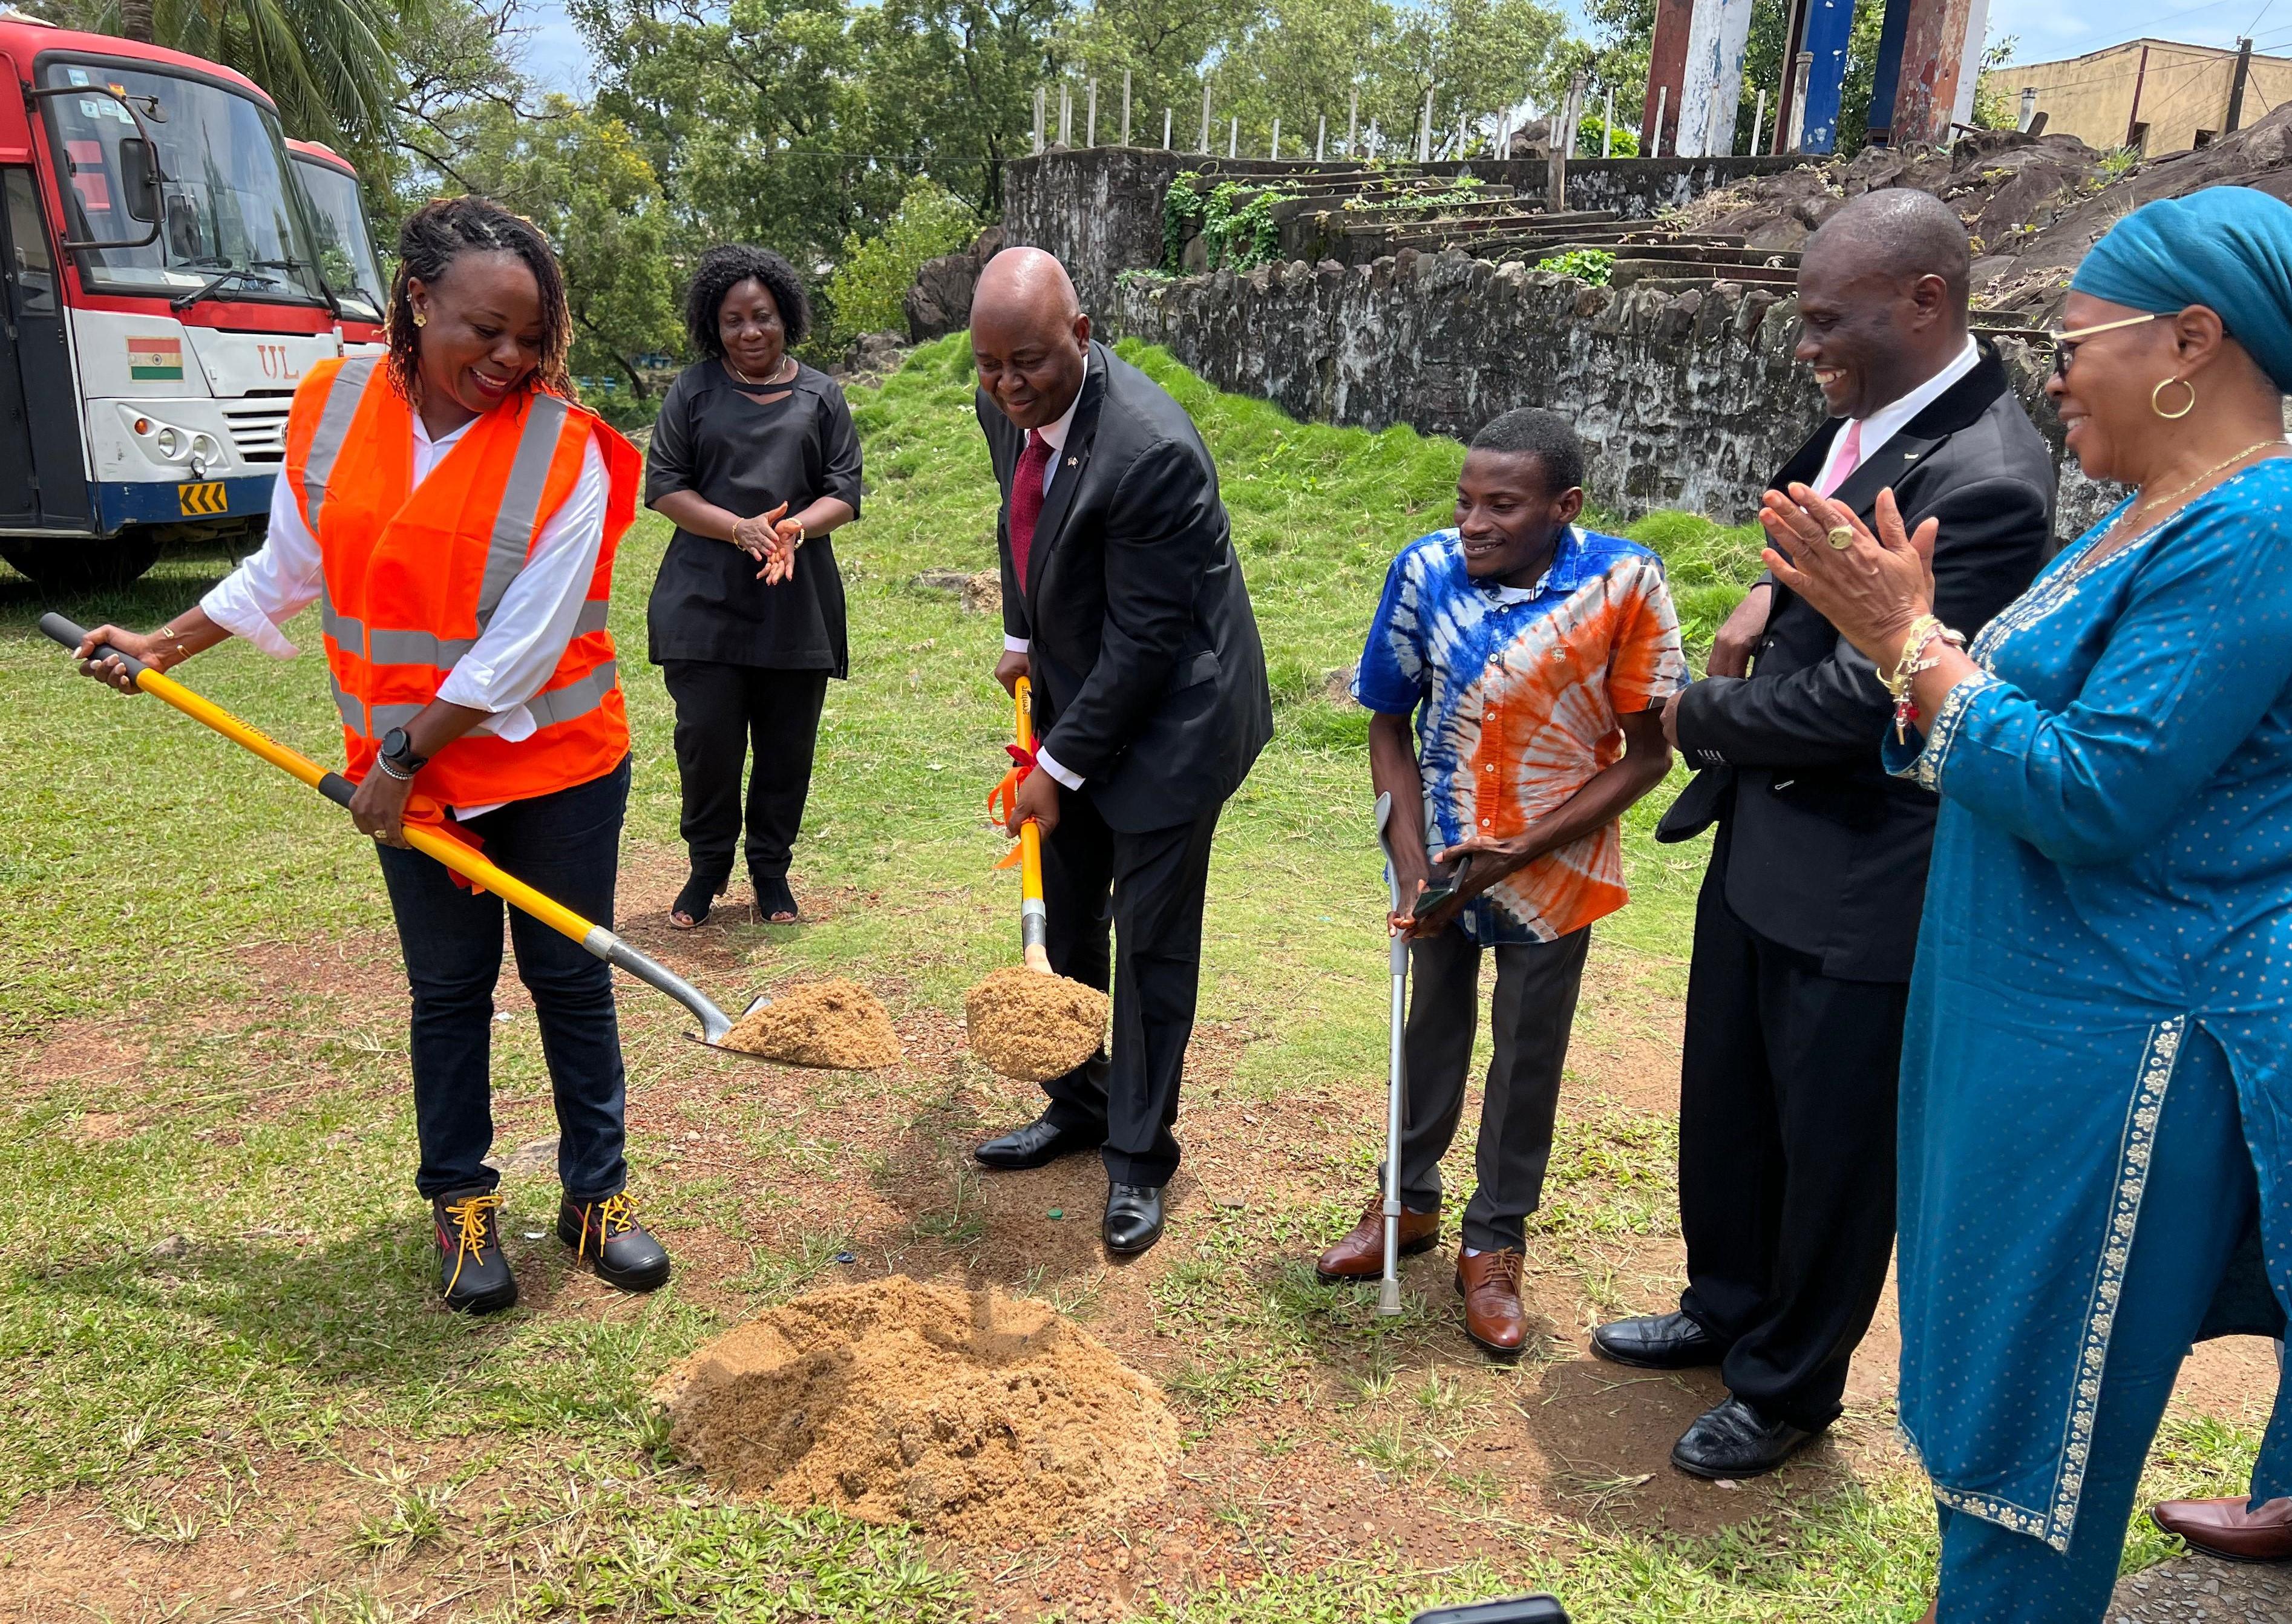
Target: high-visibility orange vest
[[414, 573]]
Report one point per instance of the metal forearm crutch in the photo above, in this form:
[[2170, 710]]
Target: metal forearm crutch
[[1388, 1296]]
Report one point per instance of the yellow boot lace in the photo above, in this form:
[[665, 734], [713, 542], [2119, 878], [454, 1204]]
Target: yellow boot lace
[[615, 1215], [473, 1217]]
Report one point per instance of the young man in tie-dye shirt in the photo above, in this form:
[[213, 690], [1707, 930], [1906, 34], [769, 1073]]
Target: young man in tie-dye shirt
[[1534, 658]]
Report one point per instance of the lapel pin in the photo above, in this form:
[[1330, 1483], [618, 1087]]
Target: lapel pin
[[1073, 461]]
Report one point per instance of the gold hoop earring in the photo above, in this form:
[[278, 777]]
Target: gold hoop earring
[[2156, 394]]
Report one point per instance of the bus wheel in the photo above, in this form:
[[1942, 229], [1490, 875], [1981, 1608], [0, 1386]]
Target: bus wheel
[[81, 564]]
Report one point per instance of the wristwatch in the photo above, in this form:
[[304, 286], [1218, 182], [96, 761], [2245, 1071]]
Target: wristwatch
[[398, 757]]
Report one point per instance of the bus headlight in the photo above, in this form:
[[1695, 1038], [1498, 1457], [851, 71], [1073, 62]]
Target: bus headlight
[[169, 443]]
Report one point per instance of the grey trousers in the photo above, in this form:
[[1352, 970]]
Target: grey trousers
[[1535, 1004]]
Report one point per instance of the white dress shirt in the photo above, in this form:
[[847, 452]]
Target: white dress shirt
[[519, 647], [1892, 418], [1054, 435]]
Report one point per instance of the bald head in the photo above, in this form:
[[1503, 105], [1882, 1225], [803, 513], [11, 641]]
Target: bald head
[[1029, 337], [1882, 295]]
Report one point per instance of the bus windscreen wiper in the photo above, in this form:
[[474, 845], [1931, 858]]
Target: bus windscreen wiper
[[236, 273]]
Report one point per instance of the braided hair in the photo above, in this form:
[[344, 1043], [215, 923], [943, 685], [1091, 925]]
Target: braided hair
[[725, 268], [432, 238]]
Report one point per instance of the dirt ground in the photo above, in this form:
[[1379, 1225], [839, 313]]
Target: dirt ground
[[1305, 1469]]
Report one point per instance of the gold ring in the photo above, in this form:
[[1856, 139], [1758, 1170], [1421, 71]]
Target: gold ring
[[1841, 537]]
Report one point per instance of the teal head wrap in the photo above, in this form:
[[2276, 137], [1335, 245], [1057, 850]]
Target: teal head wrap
[[2227, 247]]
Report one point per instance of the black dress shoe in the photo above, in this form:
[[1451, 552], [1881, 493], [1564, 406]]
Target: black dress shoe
[[1659, 1342], [1133, 1217], [1039, 1144], [609, 1239], [1734, 1440], [471, 1272]]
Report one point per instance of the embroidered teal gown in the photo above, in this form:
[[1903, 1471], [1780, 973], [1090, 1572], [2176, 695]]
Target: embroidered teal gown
[[2112, 875]]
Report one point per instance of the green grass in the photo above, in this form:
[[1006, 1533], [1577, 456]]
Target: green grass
[[215, 1274]]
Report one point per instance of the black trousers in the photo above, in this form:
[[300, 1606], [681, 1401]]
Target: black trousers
[[569, 846], [1535, 1005], [722, 712], [1786, 1160], [1148, 888]]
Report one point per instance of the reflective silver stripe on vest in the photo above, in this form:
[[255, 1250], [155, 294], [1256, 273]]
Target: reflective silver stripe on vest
[[591, 617], [353, 712], [443, 653], [575, 698], [520, 500], [382, 718], [343, 396]]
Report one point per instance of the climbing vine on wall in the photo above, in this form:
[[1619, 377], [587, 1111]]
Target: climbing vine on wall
[[1235, 222]]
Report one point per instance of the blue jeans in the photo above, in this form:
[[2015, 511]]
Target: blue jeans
[[566, 845], [2200, 1196]]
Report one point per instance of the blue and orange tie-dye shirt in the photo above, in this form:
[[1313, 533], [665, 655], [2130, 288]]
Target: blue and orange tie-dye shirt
[[1517, 693]]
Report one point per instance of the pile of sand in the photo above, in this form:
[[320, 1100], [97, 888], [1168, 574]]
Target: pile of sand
[[834, 1024], [969, 1413], [1033, 1027]]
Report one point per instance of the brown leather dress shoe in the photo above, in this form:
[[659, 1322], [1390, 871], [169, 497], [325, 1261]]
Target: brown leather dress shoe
[[2225, 1529], [1361, 1254], [1490, 1286]]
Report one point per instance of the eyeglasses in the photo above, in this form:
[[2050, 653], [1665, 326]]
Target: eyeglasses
[[2064, 347]]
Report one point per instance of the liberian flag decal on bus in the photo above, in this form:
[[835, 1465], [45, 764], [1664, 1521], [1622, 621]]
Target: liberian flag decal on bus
[[155, 358]]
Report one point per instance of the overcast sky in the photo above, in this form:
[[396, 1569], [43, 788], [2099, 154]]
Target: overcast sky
[[2045, 29]]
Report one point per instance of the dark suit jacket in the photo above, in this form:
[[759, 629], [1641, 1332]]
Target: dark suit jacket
[[1149, 678], [1820, 850]]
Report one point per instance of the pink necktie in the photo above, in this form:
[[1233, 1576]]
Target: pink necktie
[[1027, 501], [1849, 457]]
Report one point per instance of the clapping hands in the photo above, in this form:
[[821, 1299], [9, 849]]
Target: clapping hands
[[771, 539]]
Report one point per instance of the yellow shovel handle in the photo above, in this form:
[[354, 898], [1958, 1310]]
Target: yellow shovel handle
[[462, 859], [1034, 920]]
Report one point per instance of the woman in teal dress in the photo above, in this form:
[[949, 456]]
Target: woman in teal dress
[[2096, 1100]]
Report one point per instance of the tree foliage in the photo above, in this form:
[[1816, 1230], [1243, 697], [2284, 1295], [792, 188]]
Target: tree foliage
[[868, 293]]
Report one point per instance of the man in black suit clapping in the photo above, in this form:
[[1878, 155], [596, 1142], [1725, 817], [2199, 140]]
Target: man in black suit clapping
[[1123, 603], [1809, 913]]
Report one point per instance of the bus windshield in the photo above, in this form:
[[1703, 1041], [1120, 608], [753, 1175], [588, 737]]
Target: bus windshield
[[345, 249], [226, 216]]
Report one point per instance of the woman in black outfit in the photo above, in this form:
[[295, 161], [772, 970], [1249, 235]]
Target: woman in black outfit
[[756, 460]]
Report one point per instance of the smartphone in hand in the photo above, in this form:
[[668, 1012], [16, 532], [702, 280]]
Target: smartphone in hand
[[1538, 1609]]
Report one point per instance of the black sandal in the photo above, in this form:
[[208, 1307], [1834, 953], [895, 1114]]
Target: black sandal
[[774, 898], [691, 907]]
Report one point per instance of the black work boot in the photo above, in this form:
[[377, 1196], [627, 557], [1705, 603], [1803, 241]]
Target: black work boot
[[471, 1272], [608, 1238]]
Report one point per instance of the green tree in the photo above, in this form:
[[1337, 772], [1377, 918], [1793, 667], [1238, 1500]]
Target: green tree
[[868, 291], [329, 64], [582, 178], [948, 87]]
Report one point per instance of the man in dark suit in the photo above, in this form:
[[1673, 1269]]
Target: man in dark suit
[[1123, 601], [1809, 914]]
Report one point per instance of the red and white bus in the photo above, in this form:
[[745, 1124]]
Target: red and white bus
[[164, 294], [346, 254]]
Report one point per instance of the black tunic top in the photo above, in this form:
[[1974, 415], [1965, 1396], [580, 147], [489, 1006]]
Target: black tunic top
[[714, 441]]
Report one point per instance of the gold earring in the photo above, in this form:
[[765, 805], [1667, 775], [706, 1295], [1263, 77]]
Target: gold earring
[[421, 318], [2156, 396]]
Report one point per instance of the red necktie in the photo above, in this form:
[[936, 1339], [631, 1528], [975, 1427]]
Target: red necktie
[[1027, 501]]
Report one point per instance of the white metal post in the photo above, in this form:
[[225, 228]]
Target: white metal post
[[1233, 138], [1205, 118], [1066, 114], [1165, 129], [1039, 93], [1322, 140], [1801, 68], [1090, 119], [1607, 125], [1759, 122], [1125, 107], [1352, 123], [1425, 130], [1277, 140], [1662, 106]]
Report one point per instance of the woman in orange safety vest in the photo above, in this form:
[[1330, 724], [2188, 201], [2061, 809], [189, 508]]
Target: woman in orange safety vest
[[454, 516]]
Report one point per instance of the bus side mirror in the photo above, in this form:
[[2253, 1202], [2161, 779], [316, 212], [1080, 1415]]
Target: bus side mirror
[[139, 180]]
